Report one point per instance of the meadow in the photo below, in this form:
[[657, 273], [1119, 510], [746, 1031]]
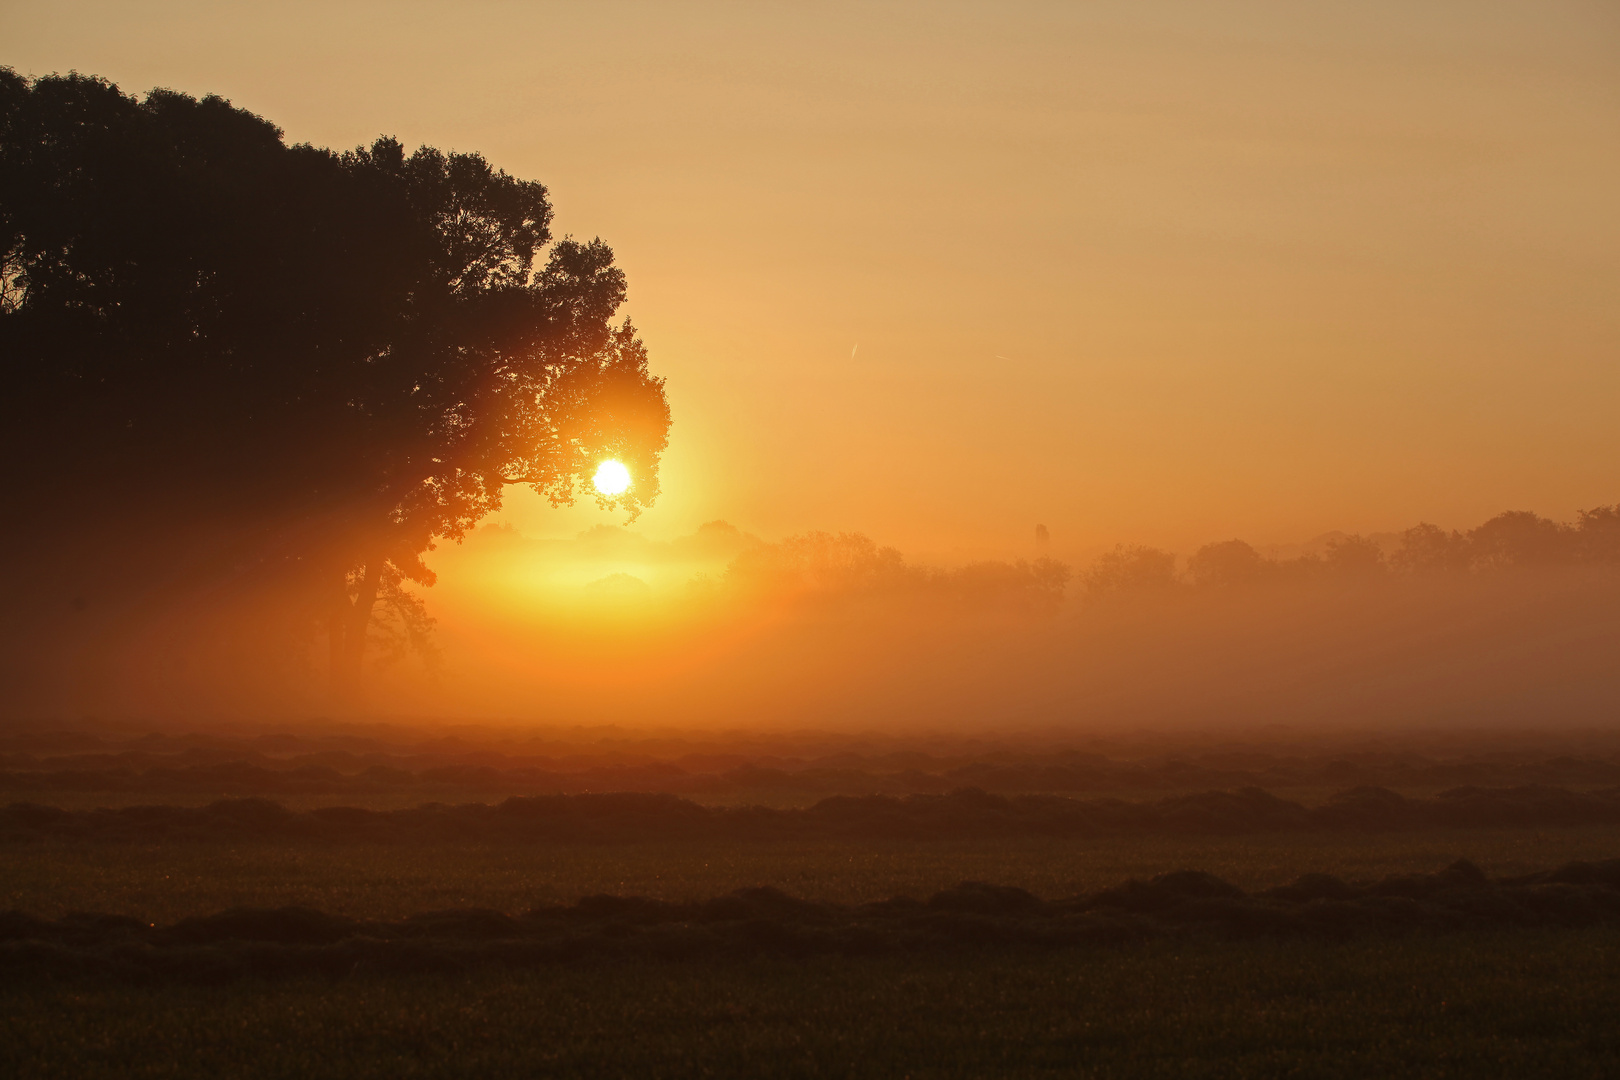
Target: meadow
[[1403, 997]]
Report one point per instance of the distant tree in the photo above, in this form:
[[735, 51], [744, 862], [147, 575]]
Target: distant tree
[[1521, 538], [286, 362], [1229, 562], [849, 564], [1354, 556], [1129, 569], [1428, 549], [1598, 534]]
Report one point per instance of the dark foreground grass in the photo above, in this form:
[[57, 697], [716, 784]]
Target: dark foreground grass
[[1523, 1004]]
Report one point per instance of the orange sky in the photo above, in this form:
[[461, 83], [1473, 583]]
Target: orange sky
[[1160, 272]]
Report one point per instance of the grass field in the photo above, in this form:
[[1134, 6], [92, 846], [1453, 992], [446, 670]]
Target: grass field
[[1473, 1003], [1520, 1005]]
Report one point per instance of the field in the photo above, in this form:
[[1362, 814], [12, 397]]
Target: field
[[1497, 1006], [1149, 993]]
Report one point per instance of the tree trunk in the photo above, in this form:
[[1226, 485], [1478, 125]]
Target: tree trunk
[[346, 636]]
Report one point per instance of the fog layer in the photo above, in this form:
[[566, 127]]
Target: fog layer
[[1513, 623]]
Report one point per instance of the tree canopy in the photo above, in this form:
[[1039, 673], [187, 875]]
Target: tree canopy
[[300, 362]]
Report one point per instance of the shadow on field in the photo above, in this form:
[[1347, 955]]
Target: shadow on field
[[290, 942]]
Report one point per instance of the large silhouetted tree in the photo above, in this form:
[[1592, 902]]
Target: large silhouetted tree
[[291, 362]]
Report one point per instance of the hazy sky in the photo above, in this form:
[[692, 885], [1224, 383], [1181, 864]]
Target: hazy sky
[[1164, 272]]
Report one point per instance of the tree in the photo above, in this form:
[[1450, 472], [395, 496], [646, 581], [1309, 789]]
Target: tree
[[1353, 556], [1598, 534], [1428, 549], [292, 364], [1229, 562], [1520, 538]]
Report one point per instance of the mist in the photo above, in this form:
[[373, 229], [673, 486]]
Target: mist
[[1510, 625], [835, 632]]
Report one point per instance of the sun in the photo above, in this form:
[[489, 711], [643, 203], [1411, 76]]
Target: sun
[[612, 478]]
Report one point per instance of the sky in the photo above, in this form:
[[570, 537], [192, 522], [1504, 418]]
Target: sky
[[937, 272]]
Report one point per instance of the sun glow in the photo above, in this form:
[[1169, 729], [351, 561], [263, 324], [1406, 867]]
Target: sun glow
[[612, 478]]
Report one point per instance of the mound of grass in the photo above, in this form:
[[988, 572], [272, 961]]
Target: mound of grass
[[630, 816], [291, 942]]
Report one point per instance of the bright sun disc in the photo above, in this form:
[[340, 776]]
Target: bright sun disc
[[612, 478]]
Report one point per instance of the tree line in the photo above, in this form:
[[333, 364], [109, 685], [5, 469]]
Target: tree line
[[1515, 539]]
